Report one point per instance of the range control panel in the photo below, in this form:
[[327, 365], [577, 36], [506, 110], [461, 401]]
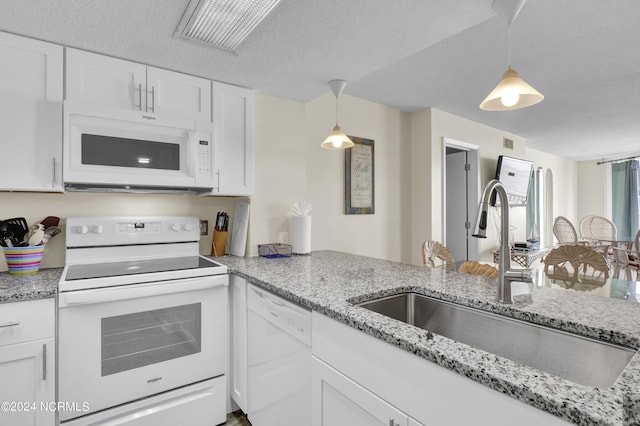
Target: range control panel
[[111, 231]]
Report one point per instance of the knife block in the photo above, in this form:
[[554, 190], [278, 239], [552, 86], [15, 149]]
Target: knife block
[[219, 243]]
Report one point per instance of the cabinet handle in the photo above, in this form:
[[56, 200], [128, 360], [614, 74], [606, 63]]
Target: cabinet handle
[[53, 173], [44, 362], [153, 99], [218, 175], [9, 324], [140, 96]]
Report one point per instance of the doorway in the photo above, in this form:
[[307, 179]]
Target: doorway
[[461, 195]]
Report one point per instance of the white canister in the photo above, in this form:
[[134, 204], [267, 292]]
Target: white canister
[[300, 233]]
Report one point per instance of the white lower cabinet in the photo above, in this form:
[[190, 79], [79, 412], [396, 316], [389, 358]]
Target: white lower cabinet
[[339, 400], [238, 343], [27, 366], [361, 380]]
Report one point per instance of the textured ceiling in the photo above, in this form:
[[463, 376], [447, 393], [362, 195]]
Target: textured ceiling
[[409, 54]]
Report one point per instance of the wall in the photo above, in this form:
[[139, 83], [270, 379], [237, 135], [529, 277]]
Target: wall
[[428, 129], [490, 142], [36, 206], [564, 196], [594, 195], [291, 166]]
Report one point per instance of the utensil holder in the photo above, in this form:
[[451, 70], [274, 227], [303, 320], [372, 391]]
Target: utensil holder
[[219, 243], [23, 260]]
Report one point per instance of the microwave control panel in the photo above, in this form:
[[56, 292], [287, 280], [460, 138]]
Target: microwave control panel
[[204, 157]]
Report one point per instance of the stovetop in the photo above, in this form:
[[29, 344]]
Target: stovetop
[[135, 267]]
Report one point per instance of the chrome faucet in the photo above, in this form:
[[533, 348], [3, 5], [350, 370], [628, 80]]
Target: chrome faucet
[[506, 274]]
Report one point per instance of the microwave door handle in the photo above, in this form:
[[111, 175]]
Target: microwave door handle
[[135, 291]]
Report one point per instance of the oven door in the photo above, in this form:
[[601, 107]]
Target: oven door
[[119, 344]]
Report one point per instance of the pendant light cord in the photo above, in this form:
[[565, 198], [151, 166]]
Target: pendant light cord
[[336, 110], [509, 45]]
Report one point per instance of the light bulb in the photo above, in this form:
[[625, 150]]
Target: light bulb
[[509, 99], [336, 142]]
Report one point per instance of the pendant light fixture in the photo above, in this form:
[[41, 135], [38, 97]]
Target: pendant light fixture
[[512, 92], [337, 139]]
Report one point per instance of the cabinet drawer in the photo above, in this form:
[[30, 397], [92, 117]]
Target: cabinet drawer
[[26, 321]]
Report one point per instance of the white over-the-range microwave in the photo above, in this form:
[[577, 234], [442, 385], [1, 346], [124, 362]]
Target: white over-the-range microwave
[[108, 149]]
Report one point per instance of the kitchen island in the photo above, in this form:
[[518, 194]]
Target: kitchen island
[[330, 283]]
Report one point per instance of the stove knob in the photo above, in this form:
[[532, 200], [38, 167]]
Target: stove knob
[[187, 227], [83, 229], [175, 227], [98, 229]]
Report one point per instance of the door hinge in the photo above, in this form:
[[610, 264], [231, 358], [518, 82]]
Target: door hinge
[[467, 225], [467, 167]]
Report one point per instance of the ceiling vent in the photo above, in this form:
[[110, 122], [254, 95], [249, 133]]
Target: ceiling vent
[[223, 24]]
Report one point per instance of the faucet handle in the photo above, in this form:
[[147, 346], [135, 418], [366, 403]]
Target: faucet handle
[[519, 275]]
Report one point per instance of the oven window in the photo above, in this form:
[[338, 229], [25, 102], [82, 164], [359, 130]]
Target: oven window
[[122, 152], [143, 338]]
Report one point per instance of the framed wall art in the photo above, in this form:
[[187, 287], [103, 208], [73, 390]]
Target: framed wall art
[[359, 177]]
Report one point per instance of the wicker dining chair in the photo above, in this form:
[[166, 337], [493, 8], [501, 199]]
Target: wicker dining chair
[[435, 255], [625, 261], [475, 268], [564, 231], [565, 263], [594, 227]]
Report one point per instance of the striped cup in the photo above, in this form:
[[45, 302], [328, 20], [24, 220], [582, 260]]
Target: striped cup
[[23, 260]]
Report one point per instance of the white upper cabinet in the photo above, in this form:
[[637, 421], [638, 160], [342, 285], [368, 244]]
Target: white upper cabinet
[[179, 94], [233, 111], [103, 80], [30, 114]]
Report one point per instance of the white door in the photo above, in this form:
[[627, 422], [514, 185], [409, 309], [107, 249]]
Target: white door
[[30, 114], [233, 127], [28, 377], [178, 95], [337, 400], [456, 206], [103, 80]]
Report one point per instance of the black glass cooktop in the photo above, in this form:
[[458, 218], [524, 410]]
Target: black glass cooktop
[[135, 267]]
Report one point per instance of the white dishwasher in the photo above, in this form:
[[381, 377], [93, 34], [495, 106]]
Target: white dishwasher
[[279, 361]]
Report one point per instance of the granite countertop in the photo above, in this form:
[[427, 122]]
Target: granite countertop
[[331, 282], [19, 288]]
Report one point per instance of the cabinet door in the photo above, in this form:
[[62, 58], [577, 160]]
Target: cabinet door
[[238, 344], [233, 128], [27, 371], [103, 80], [337, 400], [178, 95], [30, 114]]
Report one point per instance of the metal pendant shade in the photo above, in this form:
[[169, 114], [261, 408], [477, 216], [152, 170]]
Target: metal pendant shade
[[512, 92], [337, 139]]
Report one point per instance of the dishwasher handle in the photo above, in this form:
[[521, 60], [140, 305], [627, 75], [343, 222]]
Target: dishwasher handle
[[134, 291]]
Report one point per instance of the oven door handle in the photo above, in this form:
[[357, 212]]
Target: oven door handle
[[135, 291]]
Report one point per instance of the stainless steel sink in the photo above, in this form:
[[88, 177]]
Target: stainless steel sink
[[578, 359]]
